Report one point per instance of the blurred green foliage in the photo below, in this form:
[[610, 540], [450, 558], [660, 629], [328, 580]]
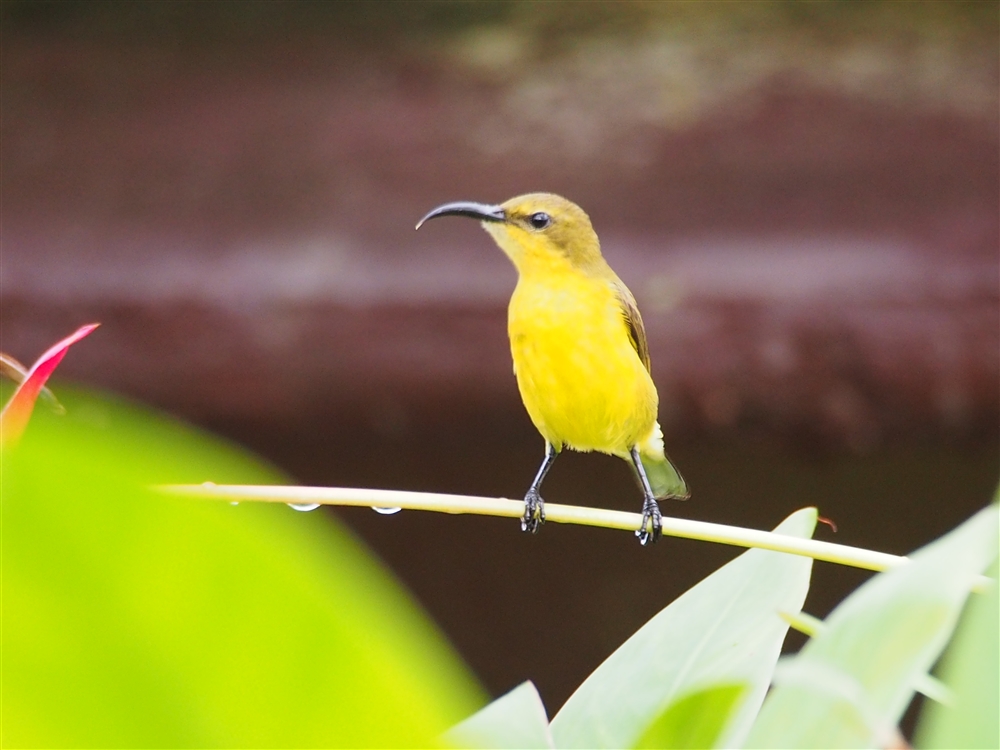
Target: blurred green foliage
[[131, 618], [726, 631], [696, 720], [851, 683], [134, 619], [707, 658], [971, 668], [515, 719]]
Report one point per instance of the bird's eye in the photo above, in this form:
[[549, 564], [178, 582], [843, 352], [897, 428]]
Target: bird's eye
[[540, 220]]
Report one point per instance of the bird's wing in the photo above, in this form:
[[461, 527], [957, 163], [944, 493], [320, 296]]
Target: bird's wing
[[633, 321]]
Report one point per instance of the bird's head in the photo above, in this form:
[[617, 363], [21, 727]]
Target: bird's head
[[537, 230]]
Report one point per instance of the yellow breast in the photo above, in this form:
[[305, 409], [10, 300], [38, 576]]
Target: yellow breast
[[580, 378]]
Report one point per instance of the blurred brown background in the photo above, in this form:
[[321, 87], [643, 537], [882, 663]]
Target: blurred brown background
[[802, 196]]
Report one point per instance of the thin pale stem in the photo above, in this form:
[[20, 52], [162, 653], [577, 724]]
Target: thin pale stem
[[490, 506]]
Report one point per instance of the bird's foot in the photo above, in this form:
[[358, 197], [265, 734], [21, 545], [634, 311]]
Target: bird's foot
[[534, 512], [650, 517]]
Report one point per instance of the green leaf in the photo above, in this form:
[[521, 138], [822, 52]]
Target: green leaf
[[514, 720], [850, 684], [724, 631], [971, 669], [694, 720], [134, 619]]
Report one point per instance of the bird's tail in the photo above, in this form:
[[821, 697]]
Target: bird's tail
[[664, 479]]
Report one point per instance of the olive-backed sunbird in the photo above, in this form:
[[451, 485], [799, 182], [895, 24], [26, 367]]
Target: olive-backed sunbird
[[579, 347]]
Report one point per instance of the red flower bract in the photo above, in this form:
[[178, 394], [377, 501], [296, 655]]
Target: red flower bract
[[15, 415]]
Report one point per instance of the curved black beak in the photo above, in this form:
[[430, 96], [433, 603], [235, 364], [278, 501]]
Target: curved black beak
[[480, 211]]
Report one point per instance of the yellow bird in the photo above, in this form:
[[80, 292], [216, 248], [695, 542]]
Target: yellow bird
[[579, 347]]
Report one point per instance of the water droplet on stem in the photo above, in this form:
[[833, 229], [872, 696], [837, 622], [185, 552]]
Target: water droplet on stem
[[304, 507]]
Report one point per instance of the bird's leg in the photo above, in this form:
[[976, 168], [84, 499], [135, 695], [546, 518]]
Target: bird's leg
[[650, 508], [534, 506]]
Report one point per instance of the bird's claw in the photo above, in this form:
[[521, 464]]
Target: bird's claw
[[534, 512], [650, 517]]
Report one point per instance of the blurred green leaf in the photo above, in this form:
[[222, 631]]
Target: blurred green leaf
[[971, 669], [133, 619], [514, 720], [694, 720], [724, 631], [850, 684]]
